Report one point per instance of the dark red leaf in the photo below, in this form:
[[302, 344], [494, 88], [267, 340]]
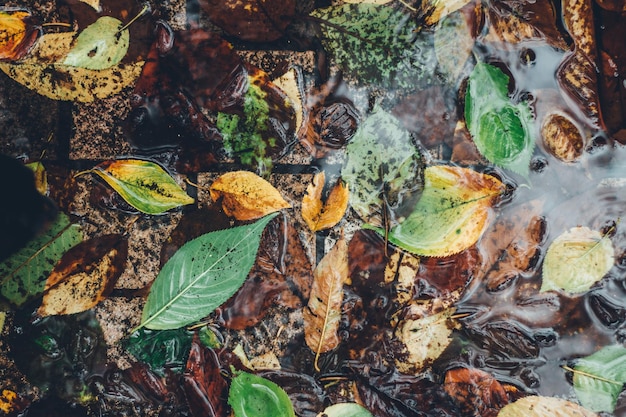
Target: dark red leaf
[[476, 392]]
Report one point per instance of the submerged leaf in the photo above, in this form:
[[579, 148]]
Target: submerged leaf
[[251, 395], [100, 45], [452, 213], [345, 410], [246, 196], [453, 45], [599, 378], [84, 276], [162, 350], [477, 392], [202, 275], [536, 406], [576, 260], [143, 184], [317, 215], [17, 34], [24, 274], [435, 10]]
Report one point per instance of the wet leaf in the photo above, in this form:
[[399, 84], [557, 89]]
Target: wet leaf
[[305, 392], [93, 3], [383, 168], [162, 350], [453, 45], [576, 260], [599, 378], [435, 10], [536, 406], [84, 276], [100, 45], [345, 410], [290, 83], [41, 177], [24, 274], [562, 136], [500, 129], [318, 215], [42, 73], [477, 392], [246, 196], [323, 313], [17, 33], [143, 184], [452, 213], [252, 395], [377, 44], [203, 274]]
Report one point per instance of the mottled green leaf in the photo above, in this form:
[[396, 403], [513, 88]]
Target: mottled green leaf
[[100, 45], [599, 378], [253, 396], [377, 44], [161, 349], [383, 167], [346, 410], [24, 274], [202, 274]]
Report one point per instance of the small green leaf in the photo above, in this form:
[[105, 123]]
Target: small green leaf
[[24, 274], [576, 260], [143, 184], [346, 410], [100, 45], [253, 396], [599, 378], [377, 44], [202, 275], [161, 349]]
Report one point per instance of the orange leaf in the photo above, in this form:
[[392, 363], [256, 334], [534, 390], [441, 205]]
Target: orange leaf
[[17, 34], [320, 216], [475, 391], [246, 196]]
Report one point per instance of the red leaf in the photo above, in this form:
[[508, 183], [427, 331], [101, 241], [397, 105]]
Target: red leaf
[[476, 392]]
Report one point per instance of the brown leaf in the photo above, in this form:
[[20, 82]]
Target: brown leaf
[[319, 216], [246, 196], [18, 33], [322, 314], [85, 275], [562, 137], [478, 393]]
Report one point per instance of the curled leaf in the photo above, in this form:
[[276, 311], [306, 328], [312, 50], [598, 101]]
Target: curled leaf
[[143, 184], [246, 196], [251, 395], [537, 406], [17, 34], [317, 215], [84, 276], [576, 260]]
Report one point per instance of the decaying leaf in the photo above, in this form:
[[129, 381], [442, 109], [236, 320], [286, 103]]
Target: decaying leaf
[[452, 213], [477, 392], [100, 45], [576, 260], [317, 215], [322, 314], [17, 33], [290, 83], [536, 406], [142, 184], [84, 276], [345, 410], [435, 10], [93, 3], [246, 196], [562, 136], [252, 395], [7, 401], [41, 177]]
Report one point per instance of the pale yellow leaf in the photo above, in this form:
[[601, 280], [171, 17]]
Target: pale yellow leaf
[[319, 216], [246, 196], [93, 3], [435, 10], [289, 82], [537, 406]]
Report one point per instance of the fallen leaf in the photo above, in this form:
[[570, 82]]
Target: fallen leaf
[[453, 45], [17, 33], [345, 409], [142, 184], [100, 45], [162, 350], [435, 10], [317, 215], [24, 274], [41, 177], [478, 393], [305, 391], [93, 3], [452, 213], [576, 260], [536, 406], [7, 401], [246, 196], [562, 136], [203, 274], [252, 395], [322, 314], [84, 276], [290, 83]]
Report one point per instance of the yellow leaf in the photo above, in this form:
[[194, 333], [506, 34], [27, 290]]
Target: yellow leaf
[[435, 10], [537, 406], [41, 177], [41, 72], [84, 276], [16, 34], [246, 196], [320, 216], [7, 400], [93, 3], [289, 82], [323, 312]]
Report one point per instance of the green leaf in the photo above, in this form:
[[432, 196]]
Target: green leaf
[[381, 161], [100, 45], [346, 410], [377, 44], [453, 45], [253, 396], [161, 349], [24, 274], [202, 274], [452, 213], [500, 129], [576, 260], [143, 184], [598, 378]]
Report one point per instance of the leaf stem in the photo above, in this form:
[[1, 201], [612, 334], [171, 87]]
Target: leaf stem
[[589, 375], [143, 11]]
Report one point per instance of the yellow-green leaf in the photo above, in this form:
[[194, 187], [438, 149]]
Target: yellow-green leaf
[[100, 45], [452, 213], [143, 184], [536, 406], [576, 260]]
